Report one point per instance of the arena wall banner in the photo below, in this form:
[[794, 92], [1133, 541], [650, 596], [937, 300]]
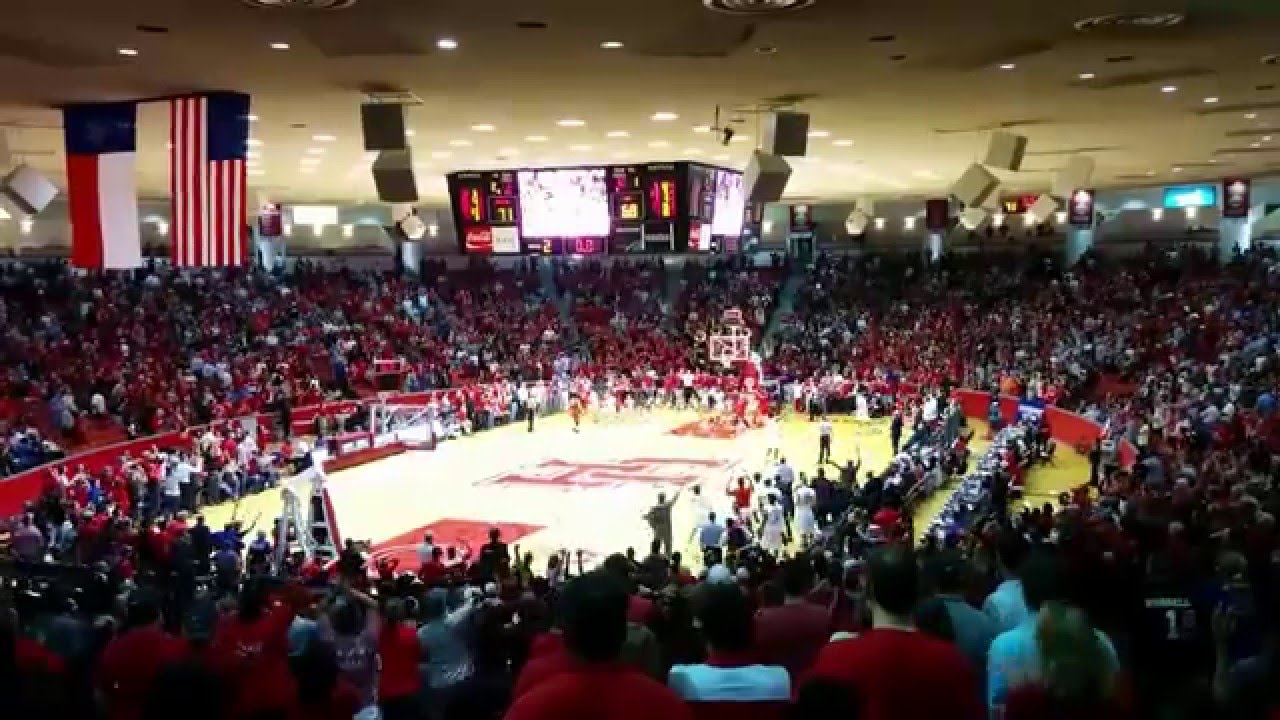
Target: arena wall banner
[[1235, 198]]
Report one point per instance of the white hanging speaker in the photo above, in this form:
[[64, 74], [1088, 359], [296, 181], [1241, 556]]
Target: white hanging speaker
[[406, 217]]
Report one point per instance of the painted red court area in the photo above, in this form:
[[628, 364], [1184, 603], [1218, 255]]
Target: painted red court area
[[449, 532], [609, 474], [710, 429]]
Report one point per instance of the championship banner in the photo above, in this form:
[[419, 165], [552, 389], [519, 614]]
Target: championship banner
[[270, 221], [937, 215], [1080, 209], [1235, 197]]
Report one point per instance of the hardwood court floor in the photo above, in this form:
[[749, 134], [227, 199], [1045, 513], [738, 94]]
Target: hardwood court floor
[[554, 488]]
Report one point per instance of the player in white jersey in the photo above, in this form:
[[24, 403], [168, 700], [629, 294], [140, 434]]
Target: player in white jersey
[[772, 534], [806, 521]]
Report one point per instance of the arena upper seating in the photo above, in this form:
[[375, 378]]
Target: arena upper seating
[[1171, 558]]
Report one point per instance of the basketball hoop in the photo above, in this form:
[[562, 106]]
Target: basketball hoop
[[733, 343]]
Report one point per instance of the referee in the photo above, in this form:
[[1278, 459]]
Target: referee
[[824, 440]]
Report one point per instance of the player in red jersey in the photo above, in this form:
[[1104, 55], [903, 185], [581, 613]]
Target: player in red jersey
[[575, 410], [741, 494]]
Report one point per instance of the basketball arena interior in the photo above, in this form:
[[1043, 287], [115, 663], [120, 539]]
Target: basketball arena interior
[[809, 359]]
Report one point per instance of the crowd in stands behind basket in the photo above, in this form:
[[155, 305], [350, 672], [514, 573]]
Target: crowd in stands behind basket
[[1149, 590]]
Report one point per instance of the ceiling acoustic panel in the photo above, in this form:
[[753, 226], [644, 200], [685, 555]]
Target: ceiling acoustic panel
[[701, 37], [1136, 79], [1238, 108], [966, 57], [335, 39], [49, 54]]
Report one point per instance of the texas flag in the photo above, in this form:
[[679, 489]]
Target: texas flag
[[102, 191]]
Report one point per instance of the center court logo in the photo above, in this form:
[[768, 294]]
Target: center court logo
[[560, 474]]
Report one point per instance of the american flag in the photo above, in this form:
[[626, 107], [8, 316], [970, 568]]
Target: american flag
[[208, 140]]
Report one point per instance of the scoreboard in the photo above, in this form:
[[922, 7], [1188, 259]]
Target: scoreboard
[[486, 208], [616, 209], [644, 201]]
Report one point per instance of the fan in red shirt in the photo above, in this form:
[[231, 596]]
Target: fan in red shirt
[[251, 649], [131, 661], [597, 685], [894, 672], [399, 681], [741, 496], [792, 634]]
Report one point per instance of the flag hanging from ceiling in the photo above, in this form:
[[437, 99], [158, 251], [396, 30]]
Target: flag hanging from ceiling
[[208, 141], [102, 190]]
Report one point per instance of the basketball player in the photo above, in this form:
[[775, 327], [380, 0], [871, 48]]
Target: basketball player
[[774, 529], [741, 495], [806, 521], [575, 411]]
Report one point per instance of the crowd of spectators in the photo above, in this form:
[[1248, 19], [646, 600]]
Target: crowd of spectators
[[1149, 591]]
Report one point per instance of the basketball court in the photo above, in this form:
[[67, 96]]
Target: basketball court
[[555, 489]]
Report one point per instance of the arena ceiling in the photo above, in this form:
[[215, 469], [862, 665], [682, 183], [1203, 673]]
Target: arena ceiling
[[902, 94]]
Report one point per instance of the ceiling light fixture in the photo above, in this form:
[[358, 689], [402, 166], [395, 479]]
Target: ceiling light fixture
[[535, 138], [1210, 100], [611, 45], [1169, 89], [441, 154], [571, 123], [127, 52], [1086, 76], [580, 148], [819, 134], [1255, 145], [323, 138], [664, 116], [617, 134], [1177, 169], [315, 151], [253, 142], [460, 143], [702, 129], [659, 144], [447, 44], [482, 127], [1008, 66], [252, 155], [843, 143], [252, 118], [279, 46]]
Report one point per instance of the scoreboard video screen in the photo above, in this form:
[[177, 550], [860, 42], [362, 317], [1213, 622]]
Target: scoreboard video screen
[[618, 209]]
